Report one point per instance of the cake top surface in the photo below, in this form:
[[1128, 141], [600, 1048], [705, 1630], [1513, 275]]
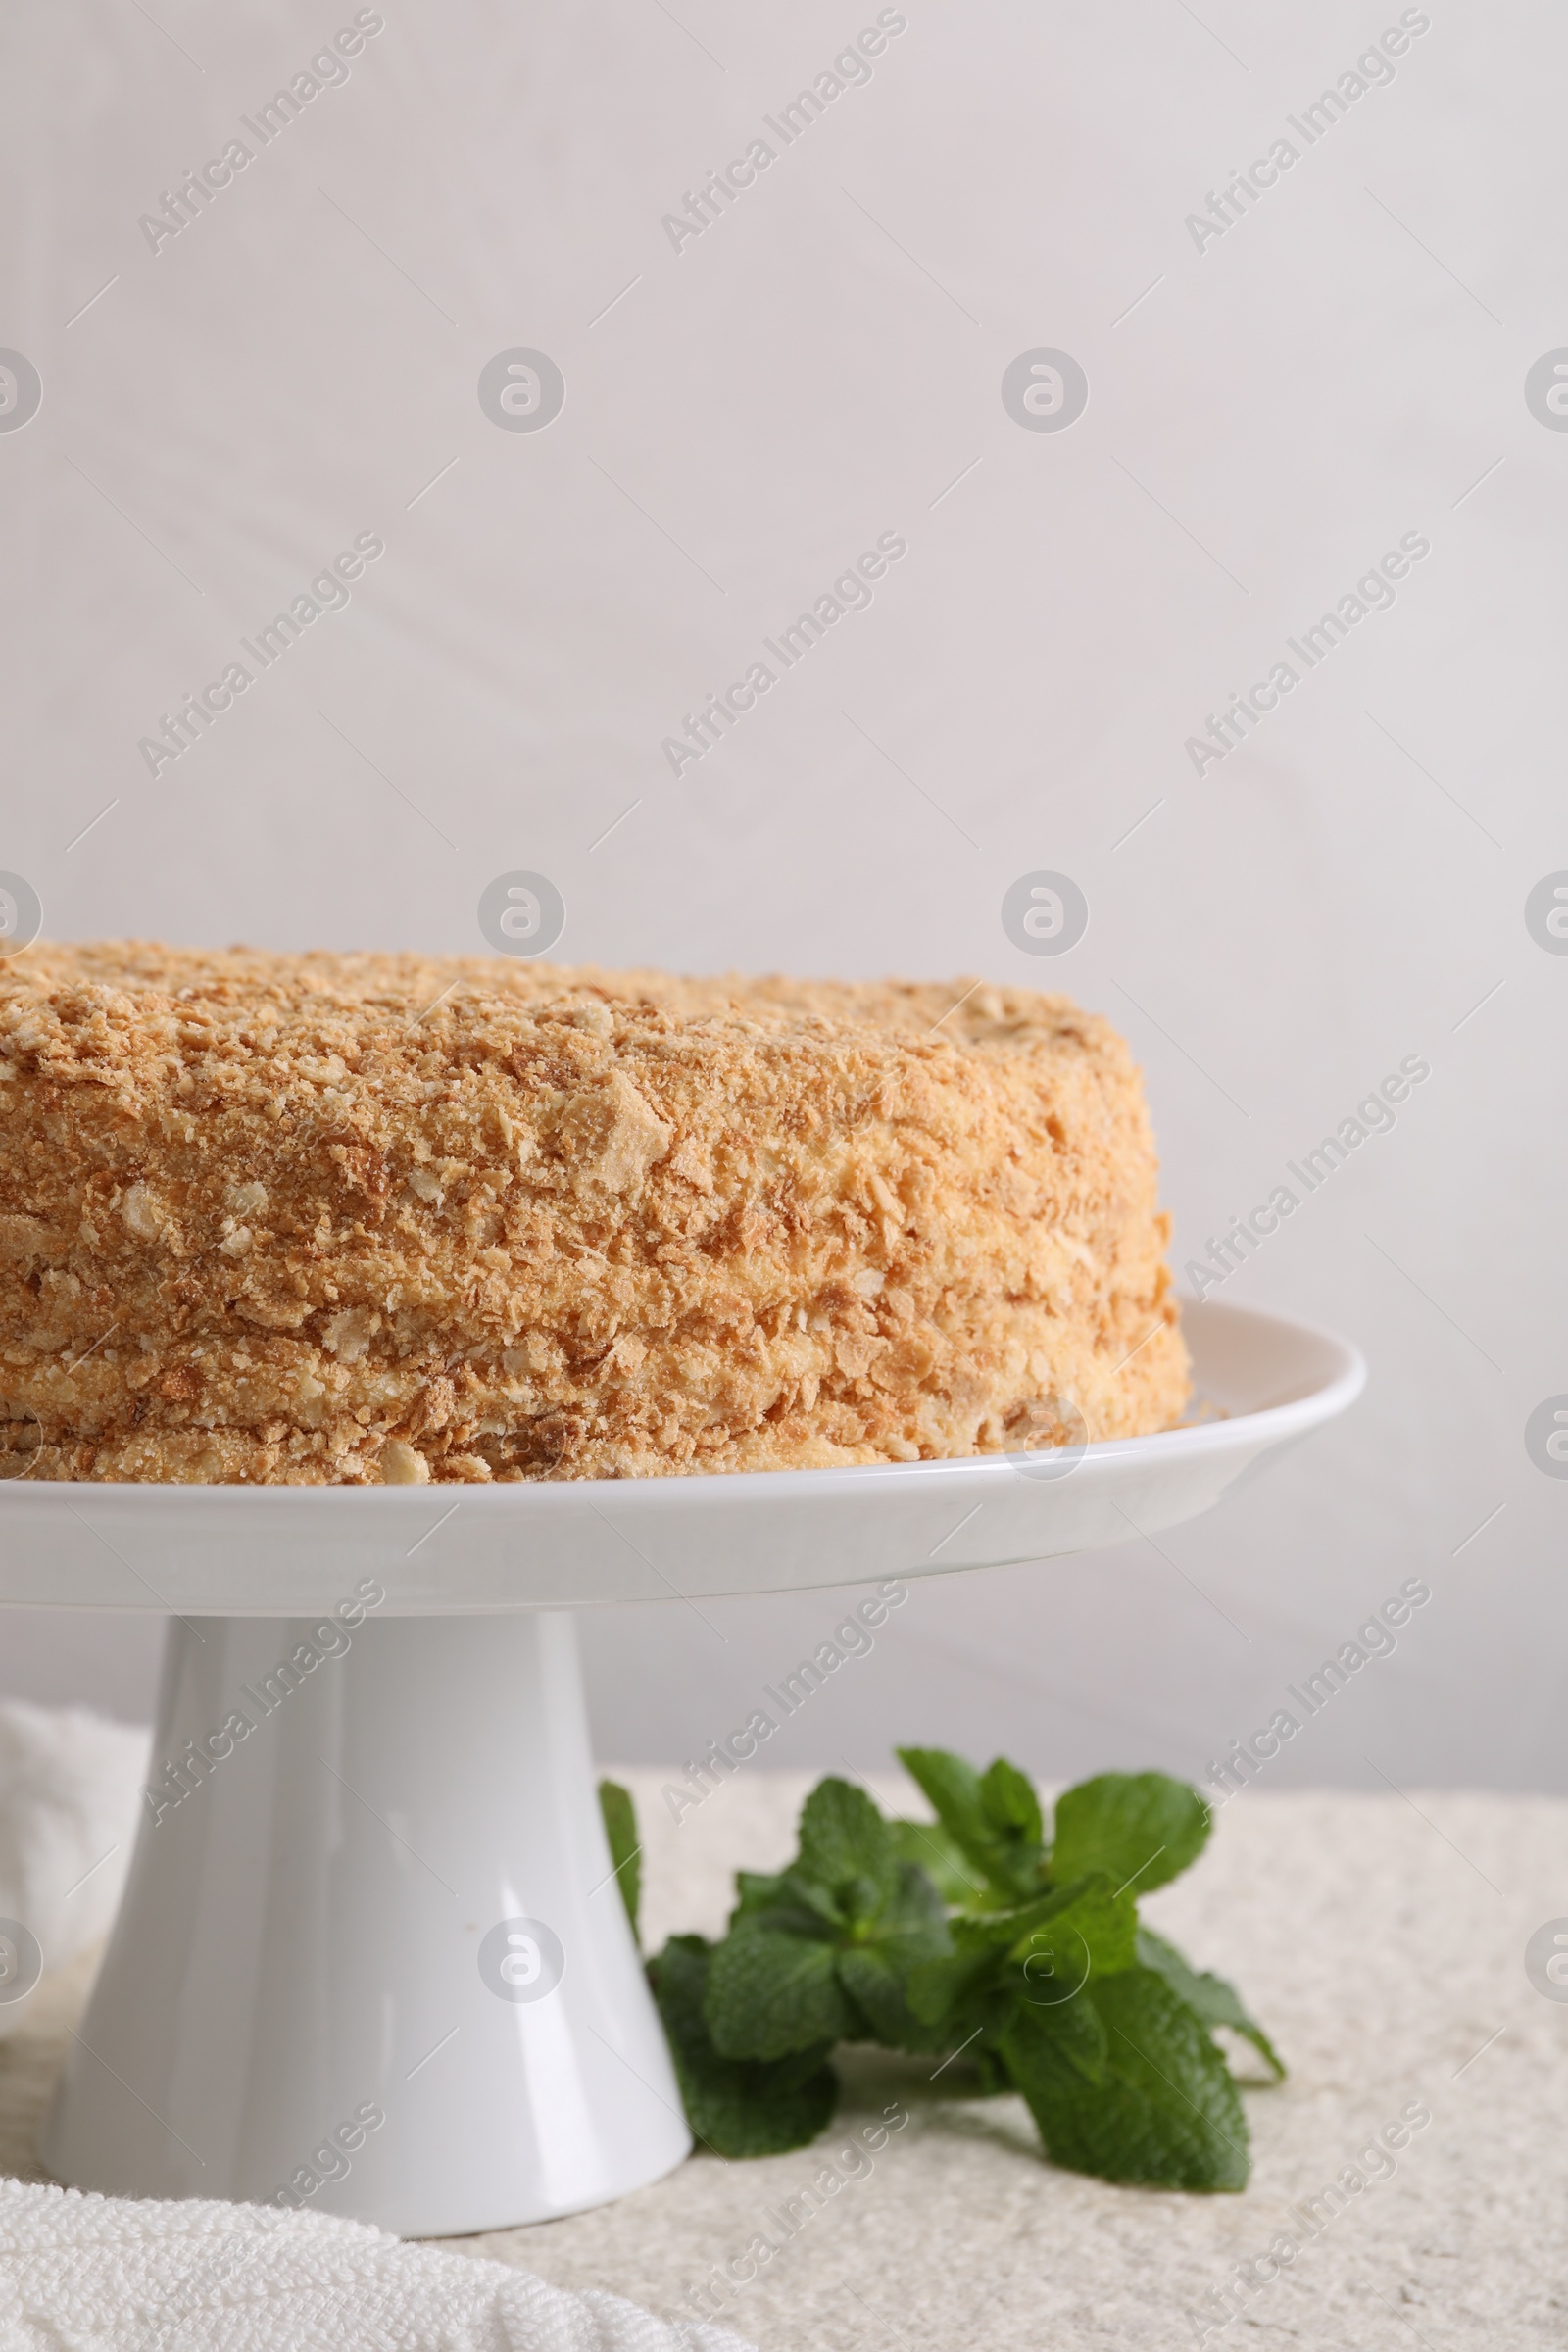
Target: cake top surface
[[136, 1015]]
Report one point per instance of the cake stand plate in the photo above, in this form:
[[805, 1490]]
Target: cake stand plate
[[371, 1956]]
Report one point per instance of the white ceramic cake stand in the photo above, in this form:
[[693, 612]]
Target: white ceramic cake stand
[[375, 1957]]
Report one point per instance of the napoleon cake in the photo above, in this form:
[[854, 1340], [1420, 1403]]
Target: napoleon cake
[[338, 1219]]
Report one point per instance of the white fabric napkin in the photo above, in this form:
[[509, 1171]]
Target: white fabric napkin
[[114, 2275], [69, 1787]]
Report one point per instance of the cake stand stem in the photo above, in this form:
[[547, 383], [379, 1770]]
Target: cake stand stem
[[372, 1954]]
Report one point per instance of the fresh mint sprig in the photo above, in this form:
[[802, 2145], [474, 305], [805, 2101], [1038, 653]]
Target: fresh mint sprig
[[975, 1932]]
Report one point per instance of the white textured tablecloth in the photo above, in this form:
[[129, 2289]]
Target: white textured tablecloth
[[1384, 1948]]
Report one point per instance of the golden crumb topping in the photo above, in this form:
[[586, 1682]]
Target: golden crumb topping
[[353, 1217]]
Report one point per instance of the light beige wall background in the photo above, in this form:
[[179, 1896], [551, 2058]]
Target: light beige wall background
[[1266, 415]]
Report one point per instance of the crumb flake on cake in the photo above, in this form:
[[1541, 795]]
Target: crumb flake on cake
[[347, 1218]]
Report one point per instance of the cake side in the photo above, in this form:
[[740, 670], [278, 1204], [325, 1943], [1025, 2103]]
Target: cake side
[[344, 1218]]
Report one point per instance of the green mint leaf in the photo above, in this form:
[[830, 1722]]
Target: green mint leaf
[[736, 2107], [987, 1820], [915, 1912], [879, 1962], [938, 1855], [1104, 1918], [879, 1988], [1075, 1934], [758, 1893], [1216, 2002], [949, 1995], [847, 1849], [1140, 1829], [1055, 2055], [789, 1902], [1042, 1954], [935, 1850], [951, 1789], [625, 1847], [1125, 2082], [992, 2078], [1009, 1803], [771, 1991], [825, 1948]]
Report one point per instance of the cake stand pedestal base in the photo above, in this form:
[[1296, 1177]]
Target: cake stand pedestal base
[[372, 1954]]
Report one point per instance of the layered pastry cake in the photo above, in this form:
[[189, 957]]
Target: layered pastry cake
[[350, 1218]]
